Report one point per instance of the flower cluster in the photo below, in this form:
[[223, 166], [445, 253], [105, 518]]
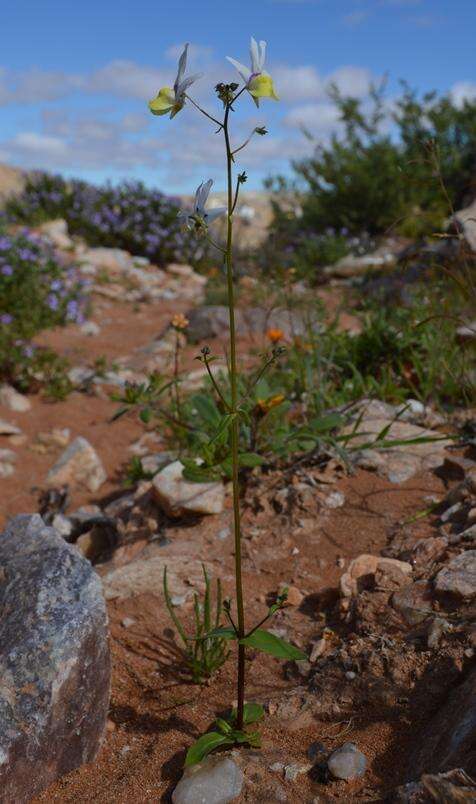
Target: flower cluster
[[36, 292], [129, 216]]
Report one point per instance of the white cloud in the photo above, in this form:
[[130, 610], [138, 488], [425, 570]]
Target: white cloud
[[319, 118], [296, 84], [127, 79], [196, 53], [353, 81], [40, 145], [34, 85], [463, 90], [77, 143]]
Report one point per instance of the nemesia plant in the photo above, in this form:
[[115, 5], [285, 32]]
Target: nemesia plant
[[259, 85]]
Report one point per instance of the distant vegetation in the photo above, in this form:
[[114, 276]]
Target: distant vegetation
[[396, 168], [129, 216], [36, 292]]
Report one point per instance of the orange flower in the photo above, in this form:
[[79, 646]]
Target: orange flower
[[265, 405], [275, 335], [179, 321]]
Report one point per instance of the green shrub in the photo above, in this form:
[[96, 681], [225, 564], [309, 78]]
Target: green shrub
[[36, 293], [130, 216], [374, 177]]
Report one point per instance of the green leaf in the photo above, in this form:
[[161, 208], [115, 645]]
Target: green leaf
[[119, 413], [250, 459], [204, 746], [145, 415], [326, 423], [223, 726], [199, 474], [269, 643], [252, 712], [224, 632], [223, 428], [206, 409]]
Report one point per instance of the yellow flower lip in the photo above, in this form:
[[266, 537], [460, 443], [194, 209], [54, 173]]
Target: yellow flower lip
[[164, 101], [261, 86]]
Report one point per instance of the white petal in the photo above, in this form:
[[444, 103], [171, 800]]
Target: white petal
[[262, 55], [255, 56], [245, 72], [198, 193], [186, 83], [215, 213], [205, 192], [181, 67]]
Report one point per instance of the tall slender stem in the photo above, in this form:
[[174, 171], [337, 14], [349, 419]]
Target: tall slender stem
[[235, 425]]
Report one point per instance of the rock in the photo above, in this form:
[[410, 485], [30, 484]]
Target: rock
[[347, 762], [336, 499], [6, 470], [115, 260], [7, 459], [90, 328], [155, 461], [57, 437], [57, 233], [466, 219], [81, 376], [448, 740], [291, 772], [454, 787], [397, 463], [459, 577], [62, 525], [414, 602], [216, 780], [186, 272], [8, 429], [295, 596], [93, 543], [211, 321], [54, 660], [12, 182], [12, 400], [429, 550], [178, 496], [144, 576], [78, 465], [362, 571], [351, 265], [467, 332]]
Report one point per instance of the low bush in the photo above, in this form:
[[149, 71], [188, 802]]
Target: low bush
[[396, 171], [36, 292], [402, 352], [129, 216]]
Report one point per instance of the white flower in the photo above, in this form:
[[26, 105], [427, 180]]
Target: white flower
[[200, 218], [173, 100], [258, 82]]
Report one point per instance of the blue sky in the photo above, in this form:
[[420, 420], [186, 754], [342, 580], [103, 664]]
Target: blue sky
[[75, 77]]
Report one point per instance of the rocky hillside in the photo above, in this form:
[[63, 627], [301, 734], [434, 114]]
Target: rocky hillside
[[11, 181]]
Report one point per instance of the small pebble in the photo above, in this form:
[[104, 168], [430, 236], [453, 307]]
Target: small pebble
[[128, 621], [347, 762]]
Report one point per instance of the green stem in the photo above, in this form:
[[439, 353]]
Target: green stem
[[234, 427]]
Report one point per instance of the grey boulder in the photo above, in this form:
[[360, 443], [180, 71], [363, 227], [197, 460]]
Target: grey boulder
[[54, 659], [216, 780]]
